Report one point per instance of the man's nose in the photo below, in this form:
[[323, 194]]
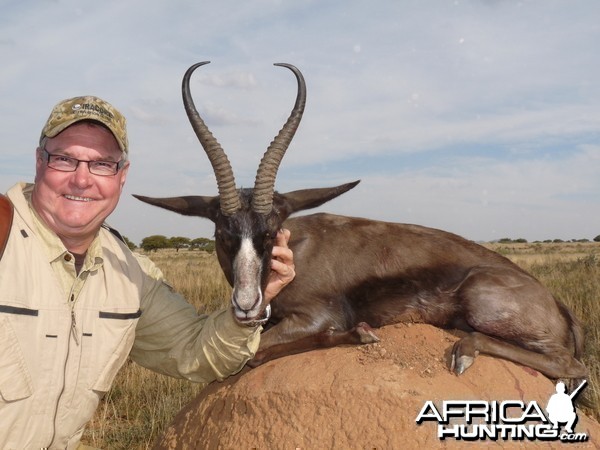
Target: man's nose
[[82, 176]]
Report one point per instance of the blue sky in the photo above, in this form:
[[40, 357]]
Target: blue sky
[[478, 117]]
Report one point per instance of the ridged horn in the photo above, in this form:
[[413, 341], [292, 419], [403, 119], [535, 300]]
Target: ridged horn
[[264, 185], [229, 197]]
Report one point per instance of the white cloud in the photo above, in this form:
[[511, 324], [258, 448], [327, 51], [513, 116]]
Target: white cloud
[[477, 116]]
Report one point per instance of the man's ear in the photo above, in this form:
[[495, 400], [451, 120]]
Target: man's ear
[[39, 163], [124, 171]]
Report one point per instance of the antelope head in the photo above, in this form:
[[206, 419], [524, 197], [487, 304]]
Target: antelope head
[[246, 220]]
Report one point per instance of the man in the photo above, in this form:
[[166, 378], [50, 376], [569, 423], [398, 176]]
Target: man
[[75, 301]]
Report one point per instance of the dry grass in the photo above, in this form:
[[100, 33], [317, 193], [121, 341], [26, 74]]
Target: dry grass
[[141, 403], [576, 282]]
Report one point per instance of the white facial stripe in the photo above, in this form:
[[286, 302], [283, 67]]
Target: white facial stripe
[[247, 272]]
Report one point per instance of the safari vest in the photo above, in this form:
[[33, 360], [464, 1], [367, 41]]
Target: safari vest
[[59, 352]]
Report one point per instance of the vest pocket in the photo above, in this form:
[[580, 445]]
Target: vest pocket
[[113, 331], [120, 315], [15, 380]]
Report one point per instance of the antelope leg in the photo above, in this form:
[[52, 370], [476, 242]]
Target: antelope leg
[[559, 364], [360, 334]]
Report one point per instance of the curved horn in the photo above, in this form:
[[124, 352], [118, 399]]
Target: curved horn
[[264, 185], [230, 200]]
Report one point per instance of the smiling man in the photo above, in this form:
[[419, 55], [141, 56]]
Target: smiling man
[[72, 199], [75, 302]]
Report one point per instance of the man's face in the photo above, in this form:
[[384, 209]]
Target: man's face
[[75, 204]]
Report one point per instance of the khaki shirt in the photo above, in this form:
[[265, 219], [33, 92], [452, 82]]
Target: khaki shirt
[[64, 336]]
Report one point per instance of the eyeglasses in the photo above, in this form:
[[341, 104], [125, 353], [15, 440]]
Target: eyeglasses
[[67, 164]]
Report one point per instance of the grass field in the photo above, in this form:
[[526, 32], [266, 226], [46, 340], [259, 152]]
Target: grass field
[[141, 403]]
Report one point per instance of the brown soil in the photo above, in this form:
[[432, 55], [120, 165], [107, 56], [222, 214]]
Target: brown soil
[[364, 397]]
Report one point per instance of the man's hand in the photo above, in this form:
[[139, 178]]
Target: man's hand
[[282, 266]]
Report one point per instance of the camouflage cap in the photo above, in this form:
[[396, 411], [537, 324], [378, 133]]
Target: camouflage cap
[[75, 109]]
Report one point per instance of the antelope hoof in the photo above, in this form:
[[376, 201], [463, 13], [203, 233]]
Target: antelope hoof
[[256, 361], [460, 364], [460, 361], [366, 333]]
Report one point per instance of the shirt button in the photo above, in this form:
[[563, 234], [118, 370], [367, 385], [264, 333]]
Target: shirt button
[[68, 257]]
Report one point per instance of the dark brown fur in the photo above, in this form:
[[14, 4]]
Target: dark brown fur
[[352, 270]]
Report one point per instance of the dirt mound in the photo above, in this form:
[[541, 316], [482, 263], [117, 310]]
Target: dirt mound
[[356, 397]]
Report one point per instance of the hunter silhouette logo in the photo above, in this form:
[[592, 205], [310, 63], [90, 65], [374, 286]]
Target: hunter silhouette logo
[[560, 407], [473, 420]]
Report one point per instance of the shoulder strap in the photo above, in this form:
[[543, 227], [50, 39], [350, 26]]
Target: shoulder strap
[[114, 232], [6, 218]]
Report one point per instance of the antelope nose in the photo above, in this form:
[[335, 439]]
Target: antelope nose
[[246, 303]]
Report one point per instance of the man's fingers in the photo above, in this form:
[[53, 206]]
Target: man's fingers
[[282, 238], [282, 266], [283, 254], [282, 269]]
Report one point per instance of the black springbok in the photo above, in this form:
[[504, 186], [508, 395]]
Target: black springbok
[[354, 273]]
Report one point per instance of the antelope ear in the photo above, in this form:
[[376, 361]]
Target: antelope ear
[[192, 205], [294, 201]]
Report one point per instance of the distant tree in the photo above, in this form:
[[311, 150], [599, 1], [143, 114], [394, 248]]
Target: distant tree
[[154, 242], [558, 241], [178, 242], [512, 241], [205, 244], [130, 244], [597, 238]]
